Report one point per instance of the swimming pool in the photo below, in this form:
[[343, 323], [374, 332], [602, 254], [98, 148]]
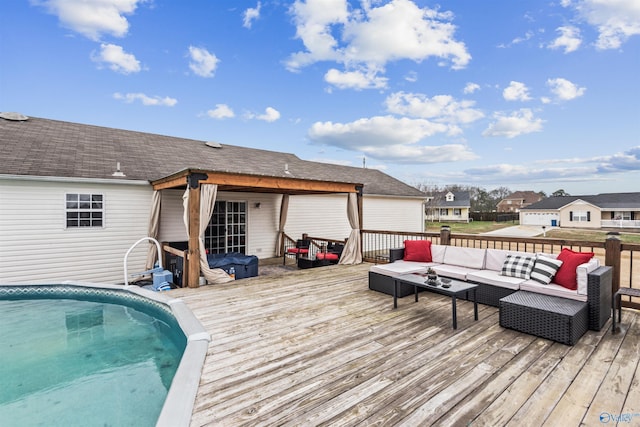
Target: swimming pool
[[96, 355]]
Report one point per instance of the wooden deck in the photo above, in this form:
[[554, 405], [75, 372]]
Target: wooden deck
[[316, 346]]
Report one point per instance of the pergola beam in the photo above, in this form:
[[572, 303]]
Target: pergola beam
[[256, 183]]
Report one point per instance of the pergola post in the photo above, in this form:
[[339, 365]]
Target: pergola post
[[194, 238], [194, 229], [360, 199]]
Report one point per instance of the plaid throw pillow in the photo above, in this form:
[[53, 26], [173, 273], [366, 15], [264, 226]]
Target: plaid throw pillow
[[544, 269], [518, 266]]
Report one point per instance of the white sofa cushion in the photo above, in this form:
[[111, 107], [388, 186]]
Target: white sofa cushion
[[495, 258], [437, 253], [491, 277], [465, 257], [582, 271], [453, 271], [552, 289], [400, 267]]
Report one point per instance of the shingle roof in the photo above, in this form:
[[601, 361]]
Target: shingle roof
[[607, 201], [525, 196], [461, 199], [43, 147]]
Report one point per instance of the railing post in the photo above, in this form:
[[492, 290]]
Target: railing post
[[612, 258], [445, 235]]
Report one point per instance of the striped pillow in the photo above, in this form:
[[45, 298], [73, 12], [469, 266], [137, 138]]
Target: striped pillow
[[518, 266], [545, 269]]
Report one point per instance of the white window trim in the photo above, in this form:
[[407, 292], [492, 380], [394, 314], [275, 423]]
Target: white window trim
[[90, 209]]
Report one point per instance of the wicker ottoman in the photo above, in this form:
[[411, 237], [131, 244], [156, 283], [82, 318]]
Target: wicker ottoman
[[558, 319]]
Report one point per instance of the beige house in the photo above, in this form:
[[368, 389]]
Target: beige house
[[609, 210]]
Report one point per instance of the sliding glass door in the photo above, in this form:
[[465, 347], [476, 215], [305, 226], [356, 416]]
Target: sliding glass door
[[227, 229]]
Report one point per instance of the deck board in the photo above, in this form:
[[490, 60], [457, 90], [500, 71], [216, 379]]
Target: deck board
[[317, 347]]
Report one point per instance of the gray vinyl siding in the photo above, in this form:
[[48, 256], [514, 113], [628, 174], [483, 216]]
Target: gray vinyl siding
[[37, 248]]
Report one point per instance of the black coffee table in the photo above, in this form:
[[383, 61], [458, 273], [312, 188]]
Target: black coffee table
[[457, 288]]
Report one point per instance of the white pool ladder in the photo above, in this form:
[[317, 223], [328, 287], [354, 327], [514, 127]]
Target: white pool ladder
[[160, 268]]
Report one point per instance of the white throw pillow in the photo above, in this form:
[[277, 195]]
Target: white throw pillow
[[544, 269]]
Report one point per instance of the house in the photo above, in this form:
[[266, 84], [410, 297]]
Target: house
[[75, 197], [517, 200], [448, 206], [609, 210]]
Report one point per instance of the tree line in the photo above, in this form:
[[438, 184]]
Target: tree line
[[481, 199]]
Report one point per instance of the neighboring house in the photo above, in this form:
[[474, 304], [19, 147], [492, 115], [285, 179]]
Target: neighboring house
[[75, 197], [448, 206], [610, 210], [517, 200]]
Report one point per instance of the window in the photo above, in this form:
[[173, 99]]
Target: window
[[444, 212], [85, 210], [457, 212], [580, 216]]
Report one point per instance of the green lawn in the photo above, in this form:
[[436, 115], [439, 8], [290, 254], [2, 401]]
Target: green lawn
[[474, 227]]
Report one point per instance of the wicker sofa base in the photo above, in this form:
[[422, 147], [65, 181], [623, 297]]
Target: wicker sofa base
[[491, 295], [558, 319], [384, 284]]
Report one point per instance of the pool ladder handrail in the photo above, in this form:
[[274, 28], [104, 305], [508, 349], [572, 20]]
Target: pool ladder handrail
[[126, 275]]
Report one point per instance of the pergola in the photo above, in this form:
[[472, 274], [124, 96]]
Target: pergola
[[193, 179]]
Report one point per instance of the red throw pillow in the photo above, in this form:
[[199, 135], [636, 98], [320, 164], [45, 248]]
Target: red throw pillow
[[566, 275], [417, 250]]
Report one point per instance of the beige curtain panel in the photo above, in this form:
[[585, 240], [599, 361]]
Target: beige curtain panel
[[208, 194], [284, 210], [352, 253], [154, 227]]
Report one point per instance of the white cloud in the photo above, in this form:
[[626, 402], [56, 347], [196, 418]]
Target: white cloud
[[527, 36], [146, 100], [411, 76], [621, 162], [471, 88], [553, 170], [615, 20], [569, 39], [373, 36], [564, 90], [93, 18], [355, 79], [117, 59], [250, 15], [390, 138], [203, 63], [440, 108], [516, 91], [222, 111], [270, 115], [518, 123]]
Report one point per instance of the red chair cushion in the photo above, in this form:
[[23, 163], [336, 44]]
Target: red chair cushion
[[327, 256], [298, 251]]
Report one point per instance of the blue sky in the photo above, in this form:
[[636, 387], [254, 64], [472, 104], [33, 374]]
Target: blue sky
[[529, 95]]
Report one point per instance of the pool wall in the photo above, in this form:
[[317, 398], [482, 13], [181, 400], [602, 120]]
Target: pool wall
[[178, 405]]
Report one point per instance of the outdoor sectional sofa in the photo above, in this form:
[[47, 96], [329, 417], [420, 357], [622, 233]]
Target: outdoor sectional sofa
[[548, 310]]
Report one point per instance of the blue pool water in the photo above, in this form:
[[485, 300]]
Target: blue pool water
[[91, 358]]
